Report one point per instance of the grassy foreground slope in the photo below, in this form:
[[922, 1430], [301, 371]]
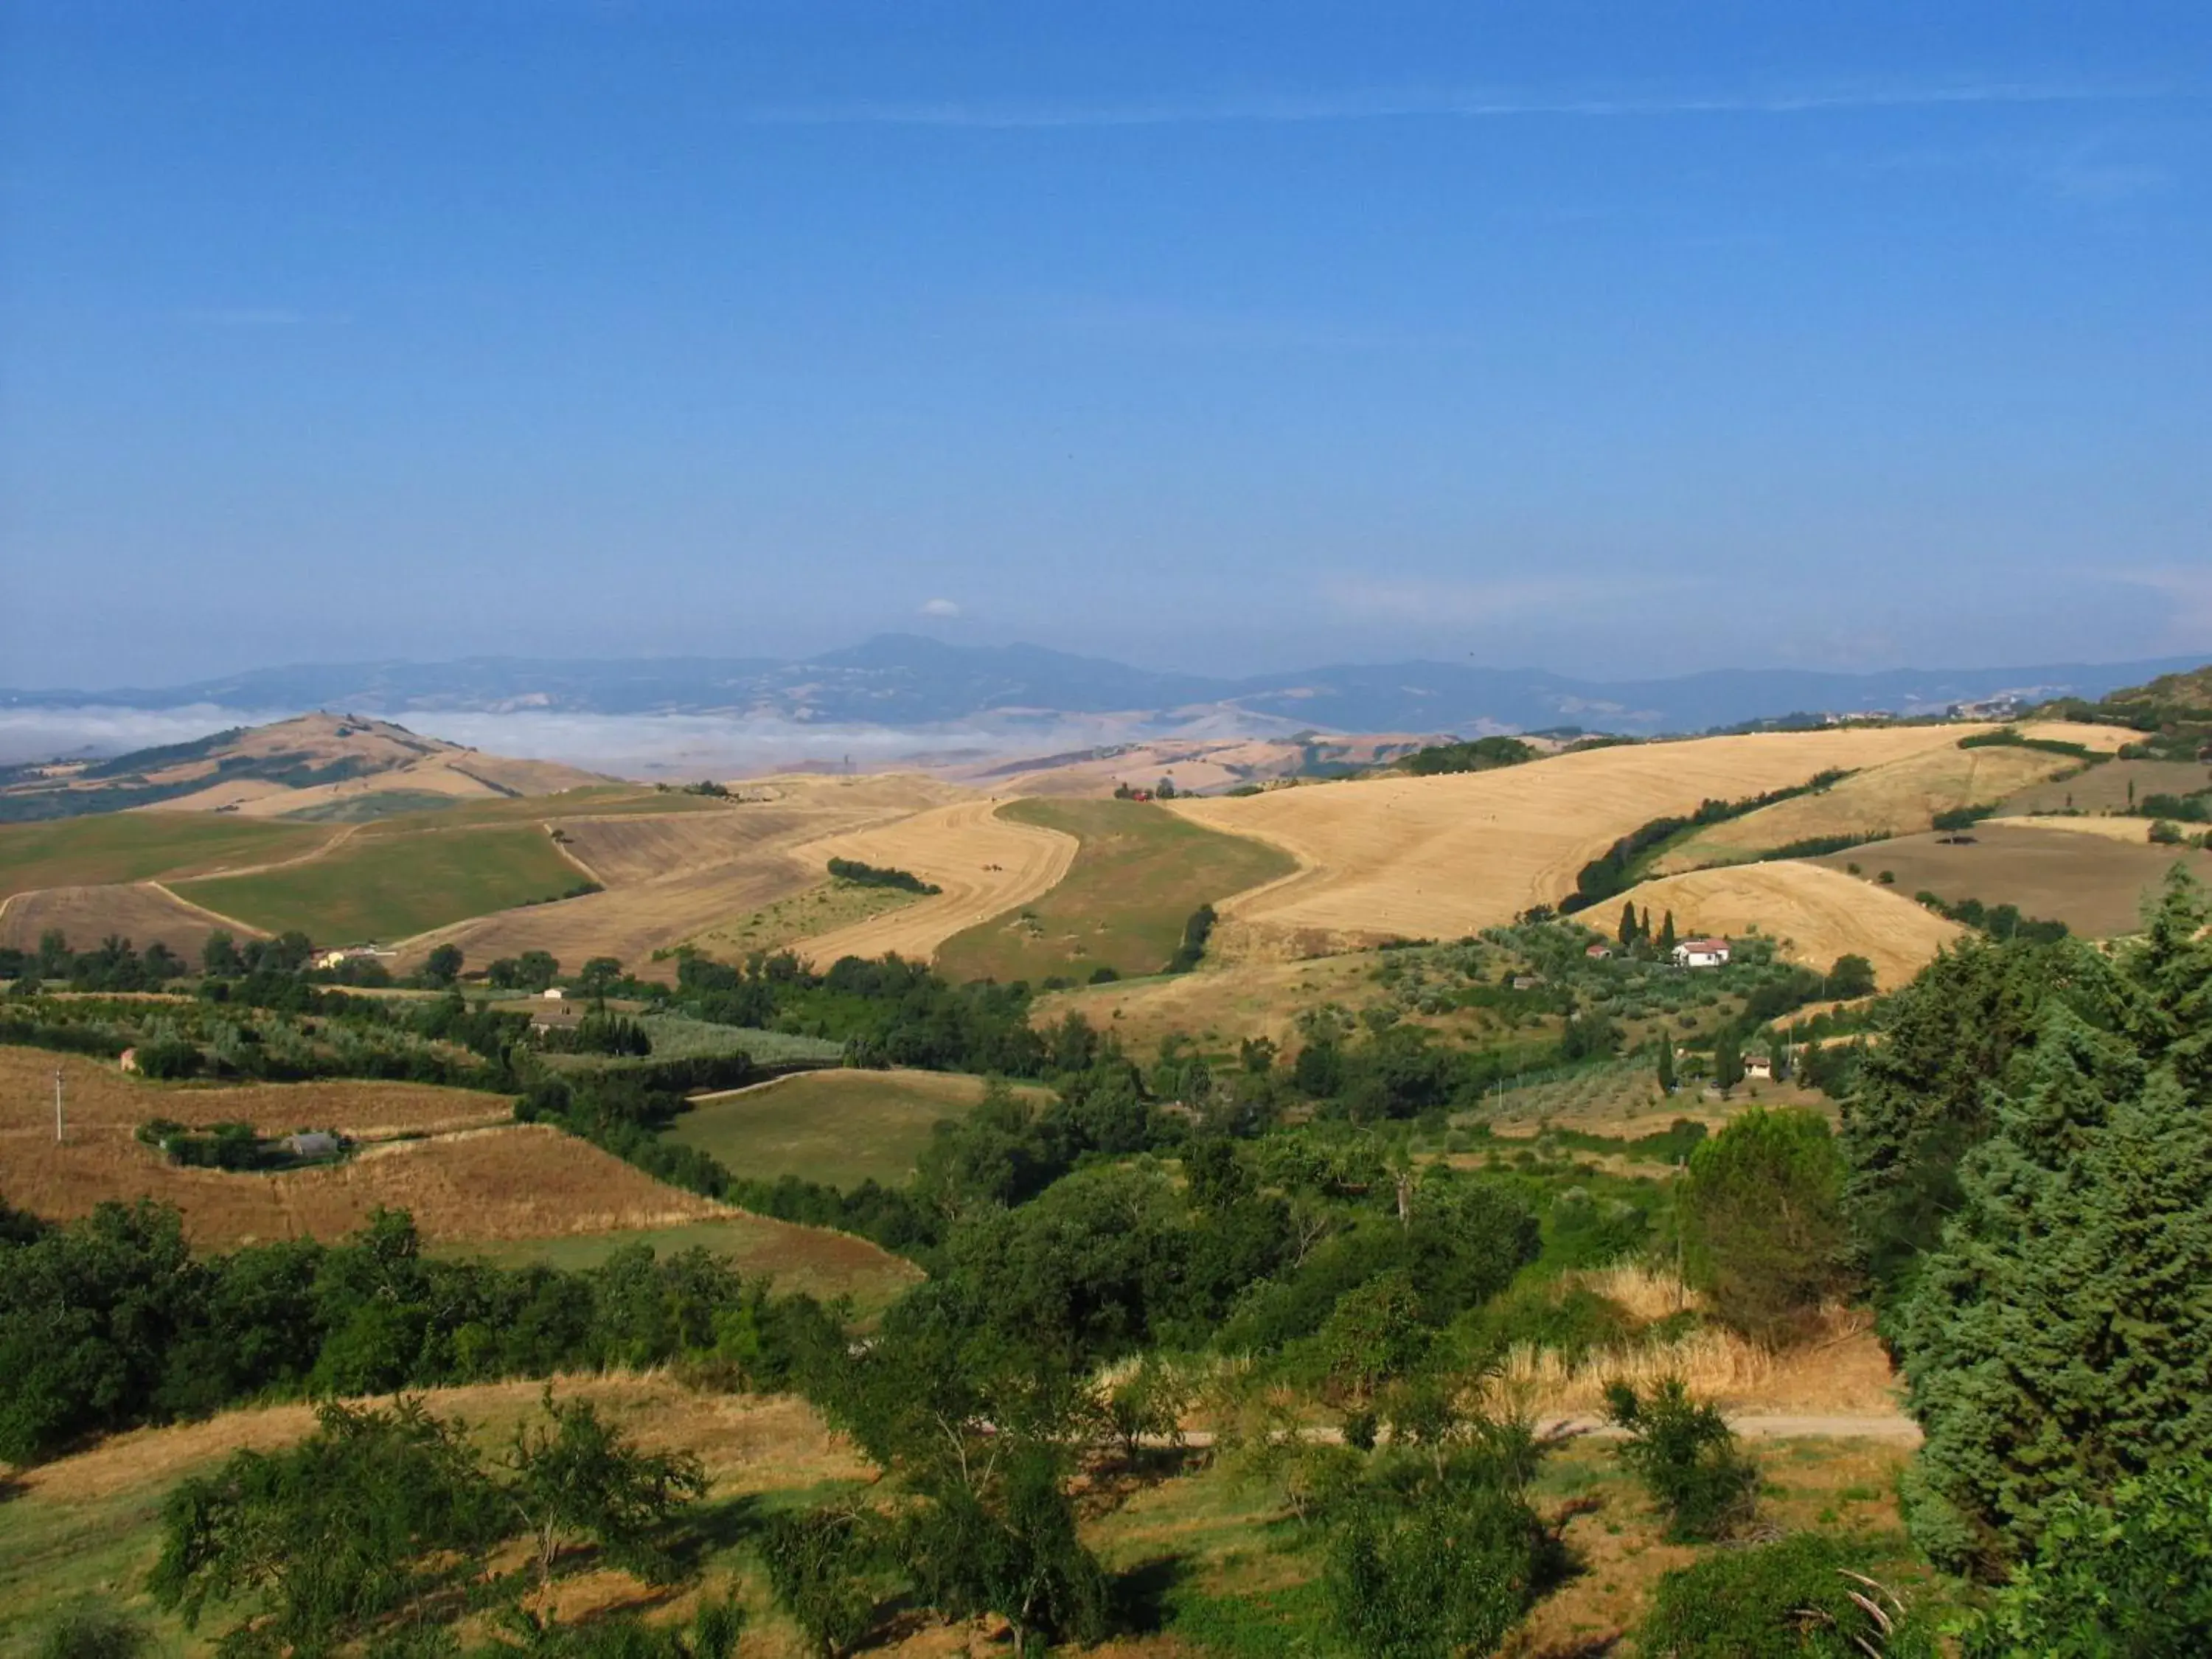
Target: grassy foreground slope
[[390, 886], [1139, 873]]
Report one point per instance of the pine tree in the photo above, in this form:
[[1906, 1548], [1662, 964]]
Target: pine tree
[[2055, 1344]]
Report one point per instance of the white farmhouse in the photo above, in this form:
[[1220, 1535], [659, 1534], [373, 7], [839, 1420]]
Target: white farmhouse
[[1702, 953]]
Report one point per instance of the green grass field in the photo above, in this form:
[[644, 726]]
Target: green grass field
[[92, 852], [1139, 873], [839, 1128], [388, 887]]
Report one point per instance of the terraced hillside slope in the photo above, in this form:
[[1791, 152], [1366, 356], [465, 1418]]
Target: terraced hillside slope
[[1444, 856]]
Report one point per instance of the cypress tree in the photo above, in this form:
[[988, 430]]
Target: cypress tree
[[1667, 933], [1665, 1063], [1627, 931]]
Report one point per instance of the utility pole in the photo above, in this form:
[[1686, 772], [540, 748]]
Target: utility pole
[[57, 1105]]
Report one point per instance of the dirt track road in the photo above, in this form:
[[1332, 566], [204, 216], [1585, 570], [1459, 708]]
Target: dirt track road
[[985, 865]]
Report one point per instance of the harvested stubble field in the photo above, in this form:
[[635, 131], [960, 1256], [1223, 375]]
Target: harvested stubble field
[[131, 847], [1897, 798], [1220, 1005], [515, 1181], [388, 886], [141, 911], [101, 1096], [1139, 872], [2106, 788], [1813, 914], [986, 863], [831, 906], [1447, 856], [676, 879], [839, 1128], [2093, 883], [2131, 831]]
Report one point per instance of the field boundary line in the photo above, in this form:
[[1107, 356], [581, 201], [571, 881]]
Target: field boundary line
[[175, 897]]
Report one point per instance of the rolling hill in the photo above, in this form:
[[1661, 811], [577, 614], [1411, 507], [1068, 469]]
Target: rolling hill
[[314, 769]]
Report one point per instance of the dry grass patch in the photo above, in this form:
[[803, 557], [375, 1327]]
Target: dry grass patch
[[1444, 857], [2115, 786], [1814, 913]]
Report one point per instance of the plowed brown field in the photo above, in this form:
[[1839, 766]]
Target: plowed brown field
[[1815, 915], [985, 864], [1443, 857]]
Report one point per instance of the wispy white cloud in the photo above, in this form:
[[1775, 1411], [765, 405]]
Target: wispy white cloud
[[938, 608], [1379, 105]]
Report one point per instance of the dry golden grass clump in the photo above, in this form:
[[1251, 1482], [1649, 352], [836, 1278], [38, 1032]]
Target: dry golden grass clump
[[1442, 857], [1814, 914]]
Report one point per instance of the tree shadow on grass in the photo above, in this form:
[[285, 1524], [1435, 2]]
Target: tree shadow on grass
[[1141, 1596], [708, 1528]]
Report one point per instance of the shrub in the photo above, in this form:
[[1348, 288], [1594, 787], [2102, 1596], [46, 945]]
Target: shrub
[[92, 1633], [1801, 1596], [2135, 1577], [1687, 1458], [1448, 1572]]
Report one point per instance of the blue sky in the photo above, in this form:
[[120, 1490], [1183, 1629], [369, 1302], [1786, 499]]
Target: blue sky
[[1618, 339]]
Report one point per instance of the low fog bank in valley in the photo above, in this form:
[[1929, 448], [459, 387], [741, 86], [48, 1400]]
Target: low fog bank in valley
[[646, 746]]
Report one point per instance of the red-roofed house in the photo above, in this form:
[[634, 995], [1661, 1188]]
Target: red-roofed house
[[1702, 953]]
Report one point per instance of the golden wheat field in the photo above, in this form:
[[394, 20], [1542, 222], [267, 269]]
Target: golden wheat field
[[1896, 798], [141, 911], [1814, 914], [1447, 856], [985, 864]]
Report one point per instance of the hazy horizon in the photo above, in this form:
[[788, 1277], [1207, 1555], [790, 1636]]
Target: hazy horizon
[[1617, 341]]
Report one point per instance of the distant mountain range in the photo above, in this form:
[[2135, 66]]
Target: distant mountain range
[[904, 681]]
